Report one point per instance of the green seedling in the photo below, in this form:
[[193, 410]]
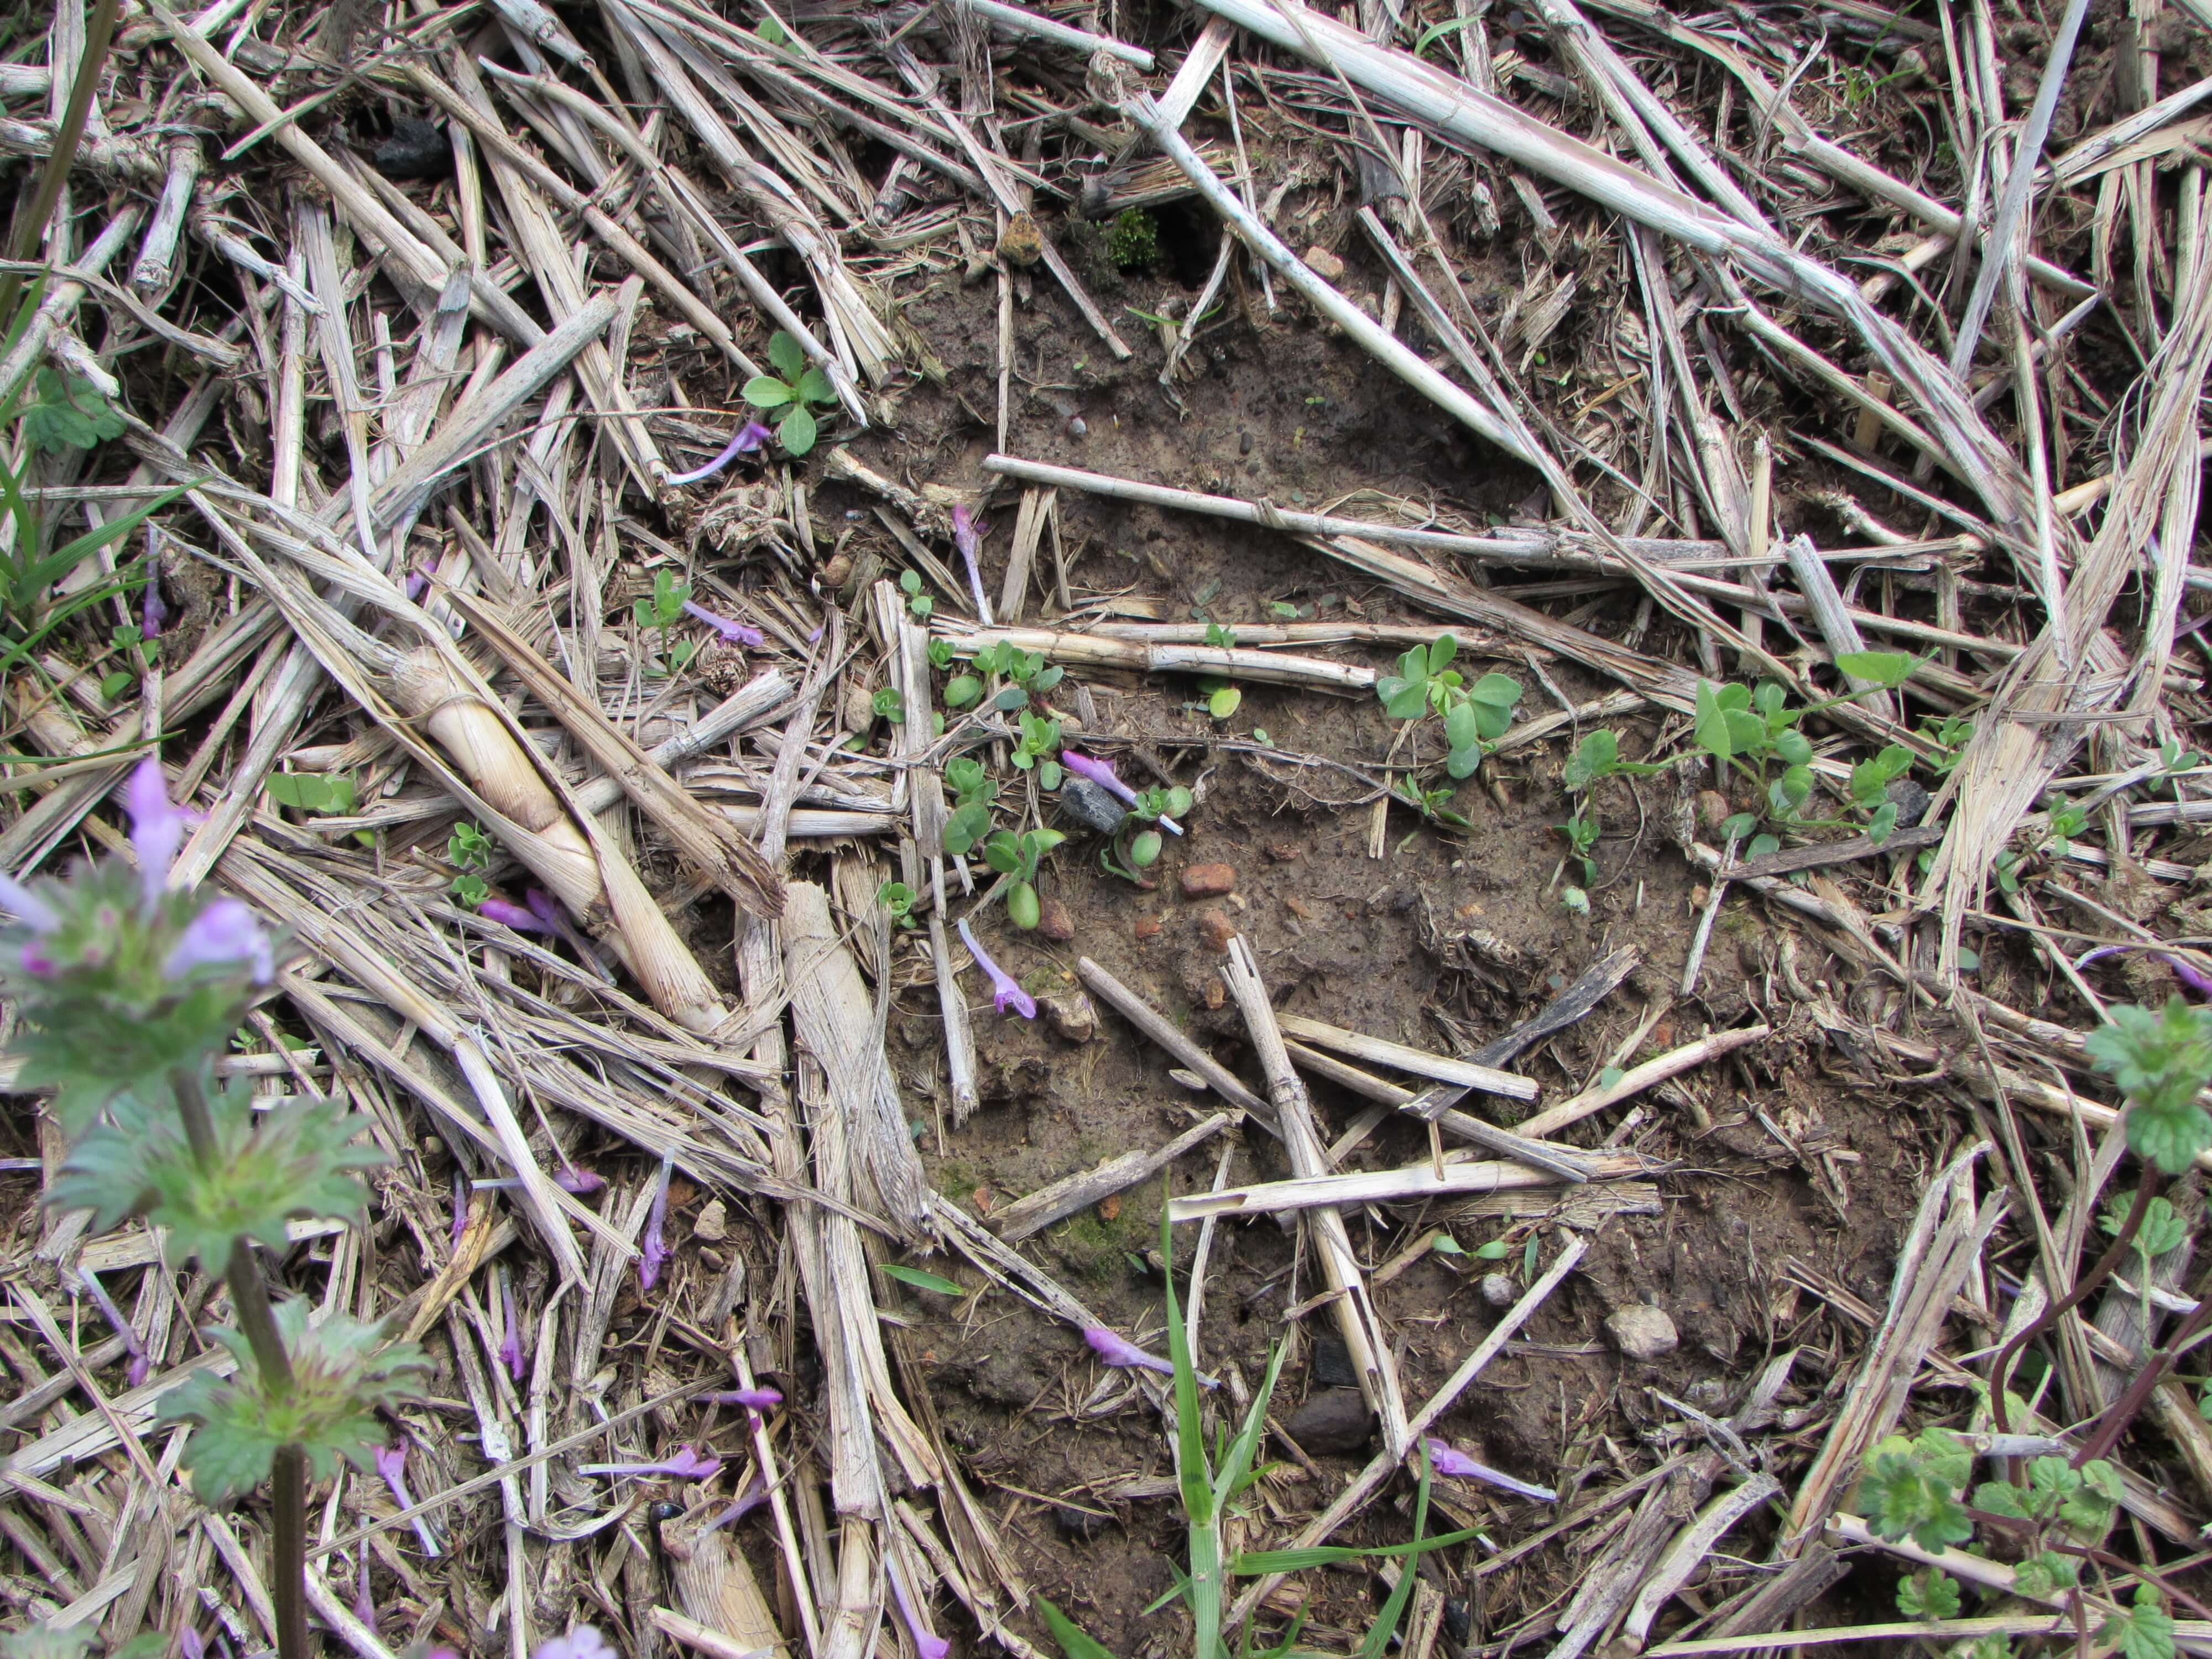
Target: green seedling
[[2063, 821], [1029, 673], [919, 605], [1474, 716], [1136, 846], [1598, 755], [2173, 760], [889, 705], [468, 890], [973, 794], [1869, 788], [1039, 741], [1582, 835], [130, 639], [2160, 1229], [469, 848], [1016, 858], [1221, 697], [899, 899], [795, 385], [1950, 737], [312, 792], [661, 609], [941, 652]]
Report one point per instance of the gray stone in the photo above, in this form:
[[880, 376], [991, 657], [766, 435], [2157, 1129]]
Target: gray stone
[[1498, 1290], [1642, 1333], [1092, 806], [1072, 1016]]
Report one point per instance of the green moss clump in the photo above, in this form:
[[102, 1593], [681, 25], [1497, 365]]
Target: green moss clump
[[1134, 242]]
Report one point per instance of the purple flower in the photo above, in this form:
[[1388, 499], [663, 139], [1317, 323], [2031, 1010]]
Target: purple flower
[[1445, 1460], [36, 963], [192, 1644], [542, 906], [754, 1495], [1004, 991], [749, 437], [1117, 1350], [226, 931], [140, 1365], [968, 536], [2190, 977], [518, 917], [413, 587], [391, 1464], [157, 827], [510, 1346], [153, 613], [1100, 773], [758, 1400], [733, 633], [927, 1645], [581, 1643], [652, 1251], [689, 1463], [460, 1205], [571, 1179], [364, 1608], [37, 915]]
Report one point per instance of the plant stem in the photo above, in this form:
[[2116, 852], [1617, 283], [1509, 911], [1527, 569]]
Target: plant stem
[[256, 1316], [199, 1123], [2154, 1367], [99, 30], [2106, 1265], [288, 1538]]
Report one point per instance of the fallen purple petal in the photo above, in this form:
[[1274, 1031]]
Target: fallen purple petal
[[1115, 1349], [391, 1464], [153, 613], [140, 1365], [34, 912], [733, 633], [687, 1463], [569, 1178], [748, 438], [651, 1250], [510, 1346], [758, 1400], [543, 906], [755, 1494], [581, 1643], [413, 587], [968, 536], [1446, 1460], [929, 1646], [225, 933], [2192, 978], [1102, 774], [157, 827], [1004, 992], [364, 1608], [519, 917]]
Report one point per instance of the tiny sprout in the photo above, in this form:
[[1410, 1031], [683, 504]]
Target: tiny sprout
[[918, 603], [899, 899], [795, 385]]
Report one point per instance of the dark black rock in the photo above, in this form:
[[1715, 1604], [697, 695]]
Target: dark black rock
[[1080, 1525], [1459, 1623], [1333, 1423], [417, 150], [1911, 801], [1091, 805], [1332, 1365]]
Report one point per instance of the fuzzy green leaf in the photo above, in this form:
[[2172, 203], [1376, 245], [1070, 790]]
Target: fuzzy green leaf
[[1911, 1490], [343, 1373], [785, 351], [2144, 1633], [1887, 668], [2159, 1062], [766, 391], [2046, 1573], [796, 430], [292, 1161], [1928, 1593]]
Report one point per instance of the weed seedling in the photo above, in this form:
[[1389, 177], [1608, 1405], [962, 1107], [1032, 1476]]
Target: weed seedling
[[1136, 846], [795, 384], [973, 794], [1040, 742], [889, 705], [1016, 858], [1474, 716], [1221, 697], [919, 605], [661, 609], [899, 899], [1028, 673], [2063, 821]]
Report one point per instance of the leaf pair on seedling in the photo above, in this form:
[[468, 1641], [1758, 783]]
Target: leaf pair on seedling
[[1475, 715], [795, 385], [974, 794], [1027, 670], [899, 899], [661, 609], [1017, 856]]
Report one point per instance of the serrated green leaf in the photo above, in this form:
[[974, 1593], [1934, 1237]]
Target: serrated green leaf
[[2144, 1633], [766, 391], [1928, 1594], [343, 1373], [291, 1162]]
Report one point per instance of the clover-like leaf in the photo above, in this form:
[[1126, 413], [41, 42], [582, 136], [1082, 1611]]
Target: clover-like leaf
[[270, 1167], [1928, 1593], [342, 1374], [814, 387], [1593, 757]]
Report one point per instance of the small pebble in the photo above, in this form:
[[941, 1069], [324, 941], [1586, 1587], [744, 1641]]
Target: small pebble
[[1091, 805], [1216, 929], [1498, 1290], [1713, 809], [1708, 1393], [1332, 1365], [1324, 265], [1335, 1423], [858, 710], [1208, 880], [713, 1222], [838, 571], [1147, 927], [1284, 851], [1642, 1333], [1072, 1016], [1054, 921]]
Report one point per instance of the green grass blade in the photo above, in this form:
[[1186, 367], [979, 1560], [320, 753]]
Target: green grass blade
[[1190, 1438], [1378, 1633], [1073, 1641], [64, 559], [1243, 1450], [1258, 1563]]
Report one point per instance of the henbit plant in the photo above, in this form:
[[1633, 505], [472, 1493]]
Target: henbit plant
[[973, 794], [899, 899], [1015, 857], [127, 991], [661, 609], [1028, 671], [889, 704], [795, 384], [1474, 716]]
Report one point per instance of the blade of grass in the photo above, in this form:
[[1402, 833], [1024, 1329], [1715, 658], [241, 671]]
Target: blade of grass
[[1204, 1588], [1378, 1633]]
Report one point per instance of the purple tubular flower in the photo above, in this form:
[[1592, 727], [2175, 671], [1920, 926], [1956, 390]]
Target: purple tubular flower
[[755, 1494], [157, 827], [510, 1346], [35, 913], [570, 1178], [689, 1463], [583, 1643], [758, 1400], [542, 906], [2190, 977], [1445, 1460], [34, 961], [391, 1464], [927, 1645], [748, 438], [153, 613], [413, 587], [225, 931], [140, 1365], [733, 633], [651, 1251], [1004, 991], [968, 536], [1117, 1350], [364, 1608], [1100, 773], [520, 917]]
